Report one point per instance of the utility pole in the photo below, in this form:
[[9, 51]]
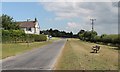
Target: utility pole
[[92, 22]]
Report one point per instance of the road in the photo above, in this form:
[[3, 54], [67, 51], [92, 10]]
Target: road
[[38, 59]]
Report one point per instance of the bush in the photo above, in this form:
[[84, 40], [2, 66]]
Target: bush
[[29, 37], [20, 36], [12, 35], [40, 37], [113, 38], [96, 39]]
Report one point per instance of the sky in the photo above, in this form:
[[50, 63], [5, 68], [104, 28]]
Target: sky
[[67, 16]]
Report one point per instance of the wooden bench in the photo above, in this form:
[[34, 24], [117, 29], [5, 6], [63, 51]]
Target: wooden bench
[[95, 48]]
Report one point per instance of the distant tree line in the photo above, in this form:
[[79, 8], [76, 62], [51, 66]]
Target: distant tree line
[[57, 33]]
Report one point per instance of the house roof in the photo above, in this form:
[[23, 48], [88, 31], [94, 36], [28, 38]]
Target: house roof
[[27, 24]]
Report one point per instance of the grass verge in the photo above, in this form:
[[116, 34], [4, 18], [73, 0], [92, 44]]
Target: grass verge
[[11, 49], [76, 56]]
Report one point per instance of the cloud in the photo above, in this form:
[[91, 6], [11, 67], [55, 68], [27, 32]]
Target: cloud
[[106, 13], [69, 10], [72, 24], [66, 9], [73, 27]]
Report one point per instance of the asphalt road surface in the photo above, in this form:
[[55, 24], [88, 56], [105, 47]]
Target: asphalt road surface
[[38, 59]]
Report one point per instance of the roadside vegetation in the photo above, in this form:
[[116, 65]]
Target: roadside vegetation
[[14, 36], [91, 36], [77, 56]]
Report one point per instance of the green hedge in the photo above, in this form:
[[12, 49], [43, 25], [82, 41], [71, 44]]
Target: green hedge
[[113, 38], [20, 36], [104, 38], [12, 35], [40, 37]]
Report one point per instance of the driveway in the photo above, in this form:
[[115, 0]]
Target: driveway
[[38, 59]]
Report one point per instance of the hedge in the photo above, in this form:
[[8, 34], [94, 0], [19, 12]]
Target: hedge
[[113, 38], [40, 37], [20, 36]]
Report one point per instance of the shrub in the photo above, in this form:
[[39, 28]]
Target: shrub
[[12, 35], [96, 39], [20, 36], [29, 37], [113, 38], [104, 38], [40, 37]]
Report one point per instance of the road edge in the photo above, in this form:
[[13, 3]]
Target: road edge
[[57, 57]]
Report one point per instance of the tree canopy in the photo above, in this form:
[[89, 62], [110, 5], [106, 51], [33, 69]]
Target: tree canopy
[[8, 23], [87, 35], [57, 33]]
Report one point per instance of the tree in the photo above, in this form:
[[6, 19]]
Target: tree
[[103, 35], [8, 23], [93, 35], [71, 34], [57, 33], [81, 31], [87, 35], [81, 34]]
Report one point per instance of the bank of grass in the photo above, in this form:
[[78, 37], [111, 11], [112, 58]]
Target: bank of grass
[[11, 49], [76, 56]]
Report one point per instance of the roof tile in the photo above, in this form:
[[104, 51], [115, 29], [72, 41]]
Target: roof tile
[[27, 24]]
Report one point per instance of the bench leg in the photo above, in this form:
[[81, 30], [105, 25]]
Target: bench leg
[[96, 51]]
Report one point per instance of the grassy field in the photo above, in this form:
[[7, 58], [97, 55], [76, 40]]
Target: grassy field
[[11, 49], [77, 56]]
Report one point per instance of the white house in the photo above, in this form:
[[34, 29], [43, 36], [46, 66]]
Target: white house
[[30, 27]]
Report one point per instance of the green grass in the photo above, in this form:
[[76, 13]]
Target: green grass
[[76, 56], [11, 49]]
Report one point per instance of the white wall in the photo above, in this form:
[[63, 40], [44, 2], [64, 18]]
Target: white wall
[[29, 32], [37, 28]]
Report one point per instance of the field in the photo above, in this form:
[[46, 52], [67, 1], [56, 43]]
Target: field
[[77, 55]]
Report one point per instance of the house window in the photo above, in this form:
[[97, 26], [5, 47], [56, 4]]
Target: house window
[[28, 29]]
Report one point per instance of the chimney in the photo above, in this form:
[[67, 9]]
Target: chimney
[[35, 19]]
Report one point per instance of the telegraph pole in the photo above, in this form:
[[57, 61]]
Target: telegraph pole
[[92, 22]]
